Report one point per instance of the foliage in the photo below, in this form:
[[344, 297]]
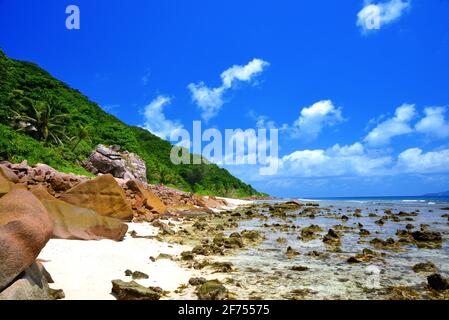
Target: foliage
[[25, 87]]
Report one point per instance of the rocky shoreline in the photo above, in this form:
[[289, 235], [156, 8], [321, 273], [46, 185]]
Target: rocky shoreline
[[38, 203], [72, 237]]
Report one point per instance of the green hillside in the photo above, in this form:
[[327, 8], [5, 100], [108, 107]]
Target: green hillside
[[69, 126]]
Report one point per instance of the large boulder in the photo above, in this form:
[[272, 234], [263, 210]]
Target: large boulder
[[76, 223], [145, 197], [210, 202], [25, 228], [32, 284], [122, 165], [103, 195], [7, 180]]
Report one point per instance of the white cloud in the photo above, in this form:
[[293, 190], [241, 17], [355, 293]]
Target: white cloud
[[351, 160], [396, 126], [415, 161], [314, 118], [210, 100], [375, 16], [434, 124], [243, 73], [155, 120]]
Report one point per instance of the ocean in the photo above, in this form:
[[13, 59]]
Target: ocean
[[264, 271]]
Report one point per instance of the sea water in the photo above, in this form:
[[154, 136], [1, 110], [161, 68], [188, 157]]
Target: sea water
[[264, 271]]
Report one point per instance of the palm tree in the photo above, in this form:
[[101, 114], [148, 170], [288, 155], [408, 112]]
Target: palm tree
[[42, 122], [83, 133]]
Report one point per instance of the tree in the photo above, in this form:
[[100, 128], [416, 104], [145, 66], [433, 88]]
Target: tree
[[195, 175], [83, 133], [42, 121]]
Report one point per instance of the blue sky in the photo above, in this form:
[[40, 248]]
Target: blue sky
[[360, 112]]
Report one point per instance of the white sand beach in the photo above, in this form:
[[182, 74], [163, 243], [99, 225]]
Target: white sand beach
[[84, 269], [233, 203]]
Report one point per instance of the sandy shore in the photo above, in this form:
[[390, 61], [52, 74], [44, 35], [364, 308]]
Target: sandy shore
[[85, 269], [233, 203]]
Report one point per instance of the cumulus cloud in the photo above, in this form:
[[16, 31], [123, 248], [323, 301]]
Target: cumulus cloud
[[314, 118], [434, 124], [243, 73], [416, 161], [155, 120], [396, 126], [348, 160], [375, 16], [210, 100]]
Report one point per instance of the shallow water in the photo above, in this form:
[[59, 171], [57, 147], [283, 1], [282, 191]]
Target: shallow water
[[264, 271]]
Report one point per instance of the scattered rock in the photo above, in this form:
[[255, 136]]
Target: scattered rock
[[281, 240], [212, 290], [222, 267], [364, 233], [291, 252], [136, 274], [384, 244], [425, 267], [438, 282], [252, 235], [162, 256], [134, 291], [299, 268], [56, 294], [163, 227], [197, 281], [332, 238], [353, 260], [187, 255], [380, 222], [426, 236]]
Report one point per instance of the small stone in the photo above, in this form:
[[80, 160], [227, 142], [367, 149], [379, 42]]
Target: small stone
[[364, 232], [291, 252], [353, 260], [134, 291], [196, 281], [212, 290], [56, 294], [299, 268], [425, 267], [437, 282], [187, 255], [139, 275]]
